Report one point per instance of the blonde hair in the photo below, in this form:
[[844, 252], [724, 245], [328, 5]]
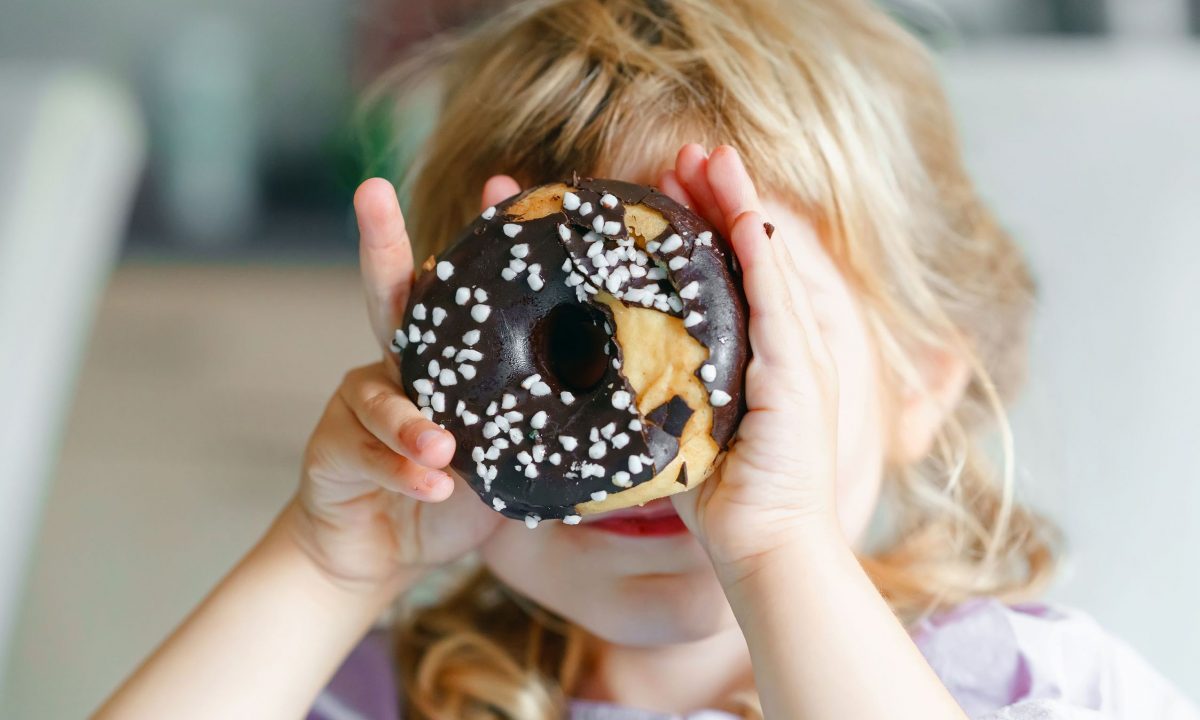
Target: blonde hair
[[836, 110]]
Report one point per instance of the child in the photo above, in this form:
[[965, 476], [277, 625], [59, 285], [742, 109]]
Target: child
[[850, 556]]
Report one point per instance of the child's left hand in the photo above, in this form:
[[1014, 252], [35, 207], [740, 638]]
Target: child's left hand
[[776, 483]]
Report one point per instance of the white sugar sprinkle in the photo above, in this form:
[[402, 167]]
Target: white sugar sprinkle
[[608, 430], [427, 412], [448, 351], [438, 401], [462, 295], [569, 443], [508, 274], [447, 377], [531, 521], [439, 314], [458, 409], [621, 478], [671, 244], [597, 450], [635, 425], [515, 436], [620, 399], [677, 262], [599, 495], [477, 454], [516, 265], [612, 227], [539, 389], [481, 295], [693, 318], [467, 371], [468, 354], [419, 311], [719, 398], [498, 504], [571, 519], [433, 368], [689, 291], [536, 282], [554, 458], [470, 337], [620, 440], [400, 340], [598, 223], [635, 464], [524, 457], [423, 400], [566, 397], [512, 229], [493, 452], [529, 381], [490, 430], [539, 453], [608, 200], [489, 213], [479, 313], [570, 201], [652, 246], [513, 416], [585, 209], [708, 372], [519, 250], [531, 471], [491, 408], [564, 232], [704, 238], [429, 337], [445, 269], [507, 402], [423, 386], [538, 421]]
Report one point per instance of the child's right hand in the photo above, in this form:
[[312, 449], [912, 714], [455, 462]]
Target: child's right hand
[[375, 503]]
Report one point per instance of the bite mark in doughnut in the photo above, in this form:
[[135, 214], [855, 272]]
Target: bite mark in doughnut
[[585, 343]]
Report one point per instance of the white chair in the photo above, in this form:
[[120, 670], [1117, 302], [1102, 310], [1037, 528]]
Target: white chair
[[71, 152]]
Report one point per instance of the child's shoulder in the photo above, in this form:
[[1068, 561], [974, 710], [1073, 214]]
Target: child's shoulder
[[1054, 661], [364, 687]]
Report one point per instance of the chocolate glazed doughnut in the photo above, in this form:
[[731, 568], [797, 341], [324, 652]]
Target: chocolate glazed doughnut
[[585, 343]]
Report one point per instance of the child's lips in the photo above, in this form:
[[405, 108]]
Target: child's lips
[[656, 518]]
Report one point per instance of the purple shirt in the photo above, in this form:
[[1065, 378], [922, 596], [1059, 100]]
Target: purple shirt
[[1022, 662]]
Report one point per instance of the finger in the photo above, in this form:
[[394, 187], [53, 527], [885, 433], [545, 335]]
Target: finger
[[691, 169], [772, 330], [802, 302], [381, 407], [345, 461], [367, 459], [669, 184], [497, 188], [385, 256], [733, 190]]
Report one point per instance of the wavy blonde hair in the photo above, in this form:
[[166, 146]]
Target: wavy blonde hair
[[837, 111]]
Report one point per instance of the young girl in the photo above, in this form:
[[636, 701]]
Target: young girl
[[852, 555]]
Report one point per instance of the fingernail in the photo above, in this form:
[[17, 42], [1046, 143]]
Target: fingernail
[[435, 479], [427, 438]]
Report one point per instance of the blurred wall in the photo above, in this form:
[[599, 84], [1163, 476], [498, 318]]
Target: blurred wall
[[300, 49], [1090, 154]]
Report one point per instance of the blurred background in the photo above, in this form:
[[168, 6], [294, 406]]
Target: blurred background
[[178, 294]]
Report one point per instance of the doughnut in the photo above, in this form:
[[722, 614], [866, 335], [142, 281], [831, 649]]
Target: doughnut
[[586, 344]]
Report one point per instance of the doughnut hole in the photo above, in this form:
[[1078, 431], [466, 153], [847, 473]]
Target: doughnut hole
[[570, 342]]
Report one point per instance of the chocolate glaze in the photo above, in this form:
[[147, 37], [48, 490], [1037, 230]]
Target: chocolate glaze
[[614, 446]]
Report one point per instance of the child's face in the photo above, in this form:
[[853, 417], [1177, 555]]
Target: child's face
[[658, 590]]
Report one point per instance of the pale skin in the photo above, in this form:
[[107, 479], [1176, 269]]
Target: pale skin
[[765, 591]]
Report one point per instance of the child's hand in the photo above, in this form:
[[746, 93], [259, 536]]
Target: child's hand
[[777, 479], [375, 501]]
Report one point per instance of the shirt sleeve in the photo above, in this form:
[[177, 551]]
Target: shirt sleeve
[[1040, 662]]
